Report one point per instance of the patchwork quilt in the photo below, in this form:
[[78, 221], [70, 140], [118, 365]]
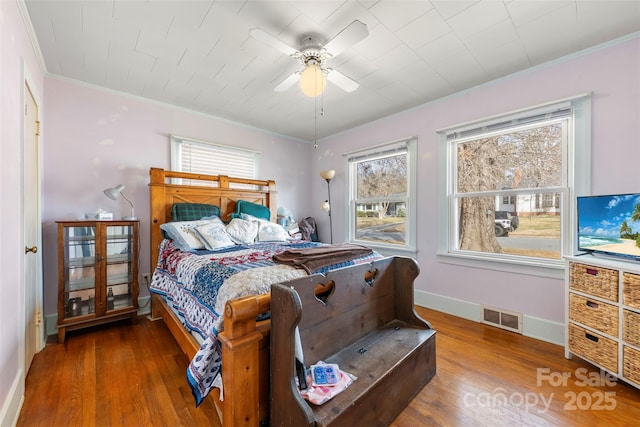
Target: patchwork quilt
[[198, 284]]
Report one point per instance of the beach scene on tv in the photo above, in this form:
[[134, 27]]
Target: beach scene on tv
[[610, 224]]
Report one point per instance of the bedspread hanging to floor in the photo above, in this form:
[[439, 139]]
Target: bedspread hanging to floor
[[197, 285]]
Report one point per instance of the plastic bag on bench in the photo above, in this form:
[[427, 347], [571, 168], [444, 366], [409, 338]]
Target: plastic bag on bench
[[321, 394]]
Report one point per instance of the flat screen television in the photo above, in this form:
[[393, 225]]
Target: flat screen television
[[610, 225]]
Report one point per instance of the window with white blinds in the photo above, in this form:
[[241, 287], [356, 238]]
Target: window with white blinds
[[189, 155]]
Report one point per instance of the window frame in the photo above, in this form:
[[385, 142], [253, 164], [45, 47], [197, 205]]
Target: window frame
[[409, 247], [576, 166]]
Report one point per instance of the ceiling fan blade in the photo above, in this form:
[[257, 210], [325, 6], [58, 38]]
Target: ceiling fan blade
[[346, 38], [272, 41], [342, 81], [288, 82]]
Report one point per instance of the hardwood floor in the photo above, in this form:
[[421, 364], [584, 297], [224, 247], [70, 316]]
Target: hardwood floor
[[121, 374], [134, 375]]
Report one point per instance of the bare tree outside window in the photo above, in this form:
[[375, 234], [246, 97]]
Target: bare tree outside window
[[527, 165], [380, 198], [381, 179]]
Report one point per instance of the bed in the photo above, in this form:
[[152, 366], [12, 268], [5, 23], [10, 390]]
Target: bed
[[241, 392]]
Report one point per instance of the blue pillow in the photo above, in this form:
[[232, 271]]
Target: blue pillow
[[253, 209]]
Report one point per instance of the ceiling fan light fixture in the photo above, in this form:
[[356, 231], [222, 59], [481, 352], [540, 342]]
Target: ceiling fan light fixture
[[312, 80]]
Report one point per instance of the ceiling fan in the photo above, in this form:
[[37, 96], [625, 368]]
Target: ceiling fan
[[313, 55]]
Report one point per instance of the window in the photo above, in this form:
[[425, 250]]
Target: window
[[508, 184], [508, 200], [382, 195], [188, 155]]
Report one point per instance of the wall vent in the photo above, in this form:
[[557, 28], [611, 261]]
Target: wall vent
[[502, 319]]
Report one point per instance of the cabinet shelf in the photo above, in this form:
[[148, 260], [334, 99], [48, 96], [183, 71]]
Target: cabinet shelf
[[118, 258], [95, 260], [119, 280], [81, 262], [80, 285], [73, 240]]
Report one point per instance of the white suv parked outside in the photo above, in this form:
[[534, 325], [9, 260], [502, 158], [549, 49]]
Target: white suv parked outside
[[505, 222]]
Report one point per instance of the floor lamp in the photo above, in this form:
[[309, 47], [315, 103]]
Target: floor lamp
[[328, 176]]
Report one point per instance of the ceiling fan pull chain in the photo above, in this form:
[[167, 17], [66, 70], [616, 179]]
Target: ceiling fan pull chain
[[315, 122]]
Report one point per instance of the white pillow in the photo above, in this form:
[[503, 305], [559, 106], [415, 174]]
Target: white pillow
[[214, 235], [183, 234], [271, 232], [267, 231], [242, 231]]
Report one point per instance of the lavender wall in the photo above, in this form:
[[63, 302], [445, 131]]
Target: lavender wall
[[613, 77], [98, 139]]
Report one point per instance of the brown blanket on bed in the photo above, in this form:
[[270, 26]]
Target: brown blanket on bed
[[312, 259]]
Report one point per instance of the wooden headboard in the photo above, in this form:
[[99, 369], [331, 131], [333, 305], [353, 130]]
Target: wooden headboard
[[168, 187]]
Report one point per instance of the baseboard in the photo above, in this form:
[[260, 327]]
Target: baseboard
[[544, 330], [144, 306], [15, 397], [533, 327], [51, 320], [456, 307]]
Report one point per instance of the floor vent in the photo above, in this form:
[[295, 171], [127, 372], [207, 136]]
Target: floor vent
[[502, 319]]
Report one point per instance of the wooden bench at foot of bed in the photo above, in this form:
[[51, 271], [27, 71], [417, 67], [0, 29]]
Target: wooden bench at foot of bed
[[364, 321]]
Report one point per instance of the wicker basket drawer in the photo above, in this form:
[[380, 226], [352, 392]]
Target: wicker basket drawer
[[593, 347], [631, 363], [597, 281], [595, 314], [631, 291], [631, 330]]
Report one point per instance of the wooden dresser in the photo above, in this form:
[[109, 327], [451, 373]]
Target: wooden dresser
[[603, 314]]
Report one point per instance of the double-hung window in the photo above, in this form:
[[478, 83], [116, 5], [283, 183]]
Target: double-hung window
[[382, 189], [189, 155], [509, 184]]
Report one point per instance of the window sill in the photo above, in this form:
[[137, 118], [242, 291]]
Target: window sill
[[554, 269], [388, 250]]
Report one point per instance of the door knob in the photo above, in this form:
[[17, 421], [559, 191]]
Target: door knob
[[33, 249]]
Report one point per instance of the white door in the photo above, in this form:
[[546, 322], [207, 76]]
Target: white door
[[34, 332]]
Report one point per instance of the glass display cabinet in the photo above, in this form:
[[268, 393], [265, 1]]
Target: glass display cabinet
[[97, 273]]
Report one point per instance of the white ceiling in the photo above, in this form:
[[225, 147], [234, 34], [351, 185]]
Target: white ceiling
[[199, 55]]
